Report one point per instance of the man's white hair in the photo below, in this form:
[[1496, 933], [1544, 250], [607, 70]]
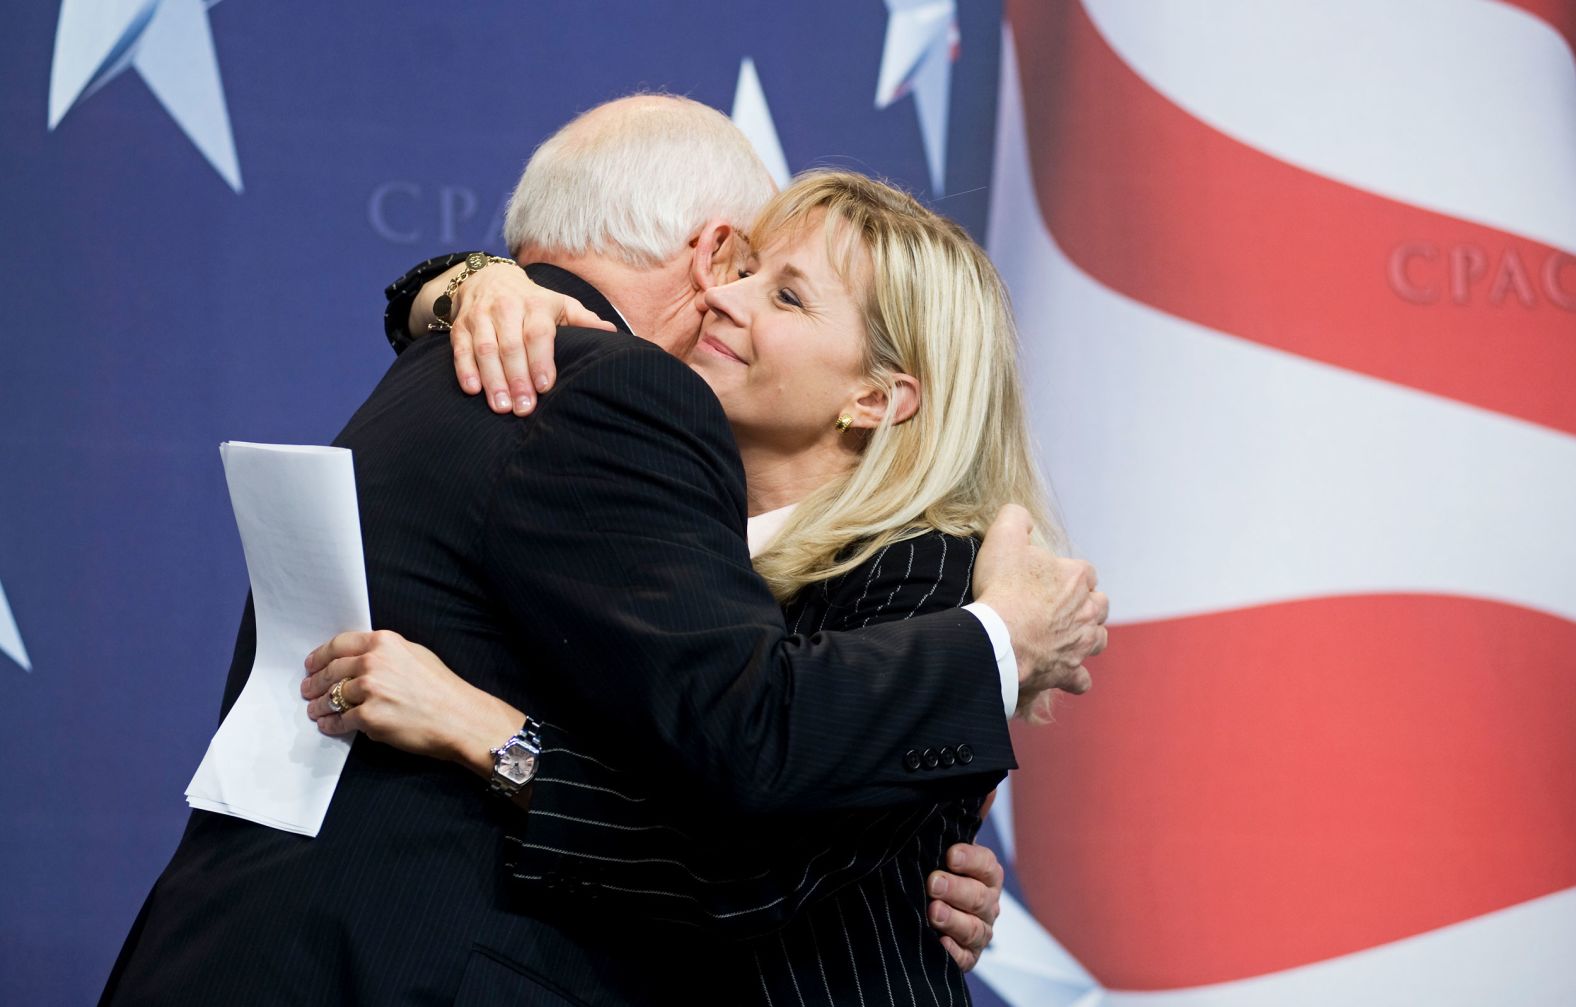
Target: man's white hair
[[636, 179]]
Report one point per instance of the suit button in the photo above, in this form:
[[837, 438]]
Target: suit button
[[932, 760], [965, 754], [910, 760], [949, 758]]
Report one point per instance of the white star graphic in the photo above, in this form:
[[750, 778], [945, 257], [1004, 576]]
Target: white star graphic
[[921, 43], [10, 636], [169, 44], [754, 118]]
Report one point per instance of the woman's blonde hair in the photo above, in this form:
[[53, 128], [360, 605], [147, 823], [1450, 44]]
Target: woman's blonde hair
[[934, 308]]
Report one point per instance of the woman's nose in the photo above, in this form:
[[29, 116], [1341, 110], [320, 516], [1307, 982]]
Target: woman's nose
[[724, 299]]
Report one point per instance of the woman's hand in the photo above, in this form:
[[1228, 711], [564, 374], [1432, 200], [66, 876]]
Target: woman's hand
[[401, 694], [503, 332]]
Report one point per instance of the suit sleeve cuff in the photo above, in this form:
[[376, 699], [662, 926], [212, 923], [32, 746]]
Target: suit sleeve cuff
[[1001, 643]]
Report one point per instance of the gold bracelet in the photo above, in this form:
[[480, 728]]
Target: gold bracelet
[[443, 307]]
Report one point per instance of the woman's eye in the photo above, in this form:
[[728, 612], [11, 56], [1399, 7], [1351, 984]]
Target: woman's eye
[[745, 274], [789, 298]]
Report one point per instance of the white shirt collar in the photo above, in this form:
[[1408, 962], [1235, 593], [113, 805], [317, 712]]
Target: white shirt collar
[[764, 527], [627, 327]]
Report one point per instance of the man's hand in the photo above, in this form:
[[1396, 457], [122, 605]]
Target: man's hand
[[965, 904], [1051, 606], [503, 332]]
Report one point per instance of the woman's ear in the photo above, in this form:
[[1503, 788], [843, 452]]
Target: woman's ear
[[871, 407], [712, 257]]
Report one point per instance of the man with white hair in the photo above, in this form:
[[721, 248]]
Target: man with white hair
[[585, 563]]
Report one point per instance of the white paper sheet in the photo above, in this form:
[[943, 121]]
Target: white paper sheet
[[296, 510]]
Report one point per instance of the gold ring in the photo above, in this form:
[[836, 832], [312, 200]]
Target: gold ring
[[336, 696]]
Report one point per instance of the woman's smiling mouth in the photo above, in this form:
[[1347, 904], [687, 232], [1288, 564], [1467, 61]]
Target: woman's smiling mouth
[[720, 348]]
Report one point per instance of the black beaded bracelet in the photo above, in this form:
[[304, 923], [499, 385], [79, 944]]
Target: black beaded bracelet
[[401, 294]]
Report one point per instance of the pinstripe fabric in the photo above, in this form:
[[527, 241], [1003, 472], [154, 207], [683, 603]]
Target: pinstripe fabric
[[873, 934], [838, 900], [571, 563]]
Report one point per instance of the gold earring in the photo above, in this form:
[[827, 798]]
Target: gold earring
[[844, 422]]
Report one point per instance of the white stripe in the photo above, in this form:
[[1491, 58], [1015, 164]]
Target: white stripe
[[608, 825], [1460, 106], [875, 929], [924, 925], [886, 907], [798, 619], [968, 575], [603, 858], [1521, 956], [591, 786], [1027, 967], [582, 755], [685, 896], [1200, 472], [888, 603], [788, 962], [874, 569], [765, 991], [737, 912], [672, 895], [848, 941], [941, 573], [870, 826], [820, 963], [924, 918]]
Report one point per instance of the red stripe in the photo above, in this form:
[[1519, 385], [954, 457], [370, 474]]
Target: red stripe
[[1250, 791], [1559, 14], [1159, 206]]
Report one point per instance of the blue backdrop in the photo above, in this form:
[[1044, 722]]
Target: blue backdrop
[[163, 299]]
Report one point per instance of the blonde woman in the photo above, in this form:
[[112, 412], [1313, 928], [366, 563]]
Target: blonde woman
[[866, 359]]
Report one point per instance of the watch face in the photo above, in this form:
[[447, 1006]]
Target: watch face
[[516, 763]]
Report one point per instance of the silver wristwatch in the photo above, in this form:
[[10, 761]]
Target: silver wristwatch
[[515, 761]]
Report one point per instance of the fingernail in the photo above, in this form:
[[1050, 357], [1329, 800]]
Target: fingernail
[[473, 385], [938, 885], [501, 400], [522, 405], [541, 381], [939, 913]]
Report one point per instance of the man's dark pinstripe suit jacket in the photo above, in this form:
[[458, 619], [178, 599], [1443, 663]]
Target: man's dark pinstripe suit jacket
[[587, 564]]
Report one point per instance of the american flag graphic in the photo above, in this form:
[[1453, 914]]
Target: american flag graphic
[[1297, 290]]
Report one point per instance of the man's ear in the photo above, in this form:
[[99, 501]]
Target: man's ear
[[871, 407], [712, 257]]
